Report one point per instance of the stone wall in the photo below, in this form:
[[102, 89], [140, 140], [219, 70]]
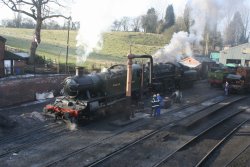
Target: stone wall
[[19, 90]]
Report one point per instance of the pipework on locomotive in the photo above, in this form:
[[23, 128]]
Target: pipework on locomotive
[[87, 95]]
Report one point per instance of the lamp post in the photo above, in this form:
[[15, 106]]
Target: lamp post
[[67, 52]]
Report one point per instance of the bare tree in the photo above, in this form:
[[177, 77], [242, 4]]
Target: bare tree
[[245, 19], [18, 18], [136, 24], [39, 10], [116, 25], [125, 23], [188, 21], [234, 32]]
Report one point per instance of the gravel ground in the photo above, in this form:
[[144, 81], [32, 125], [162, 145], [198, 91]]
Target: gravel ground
[[20, 119]]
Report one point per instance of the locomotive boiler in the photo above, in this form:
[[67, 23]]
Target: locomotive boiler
[[85, 95]]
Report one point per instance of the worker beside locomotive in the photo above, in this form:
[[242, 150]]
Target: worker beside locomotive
[[85, 95]]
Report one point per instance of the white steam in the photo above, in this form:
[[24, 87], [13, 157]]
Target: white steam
[[179, 47], [97, 17], [215, 12]]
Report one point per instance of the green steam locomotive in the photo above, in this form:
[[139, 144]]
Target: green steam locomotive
[[86, 95]]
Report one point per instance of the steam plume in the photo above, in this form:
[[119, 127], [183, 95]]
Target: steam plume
[[215, 12], [178, 48], [97, 16]]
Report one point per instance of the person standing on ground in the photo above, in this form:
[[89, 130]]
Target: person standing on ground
[[160, 102], [177, 96], [155, 106], [226, 88]]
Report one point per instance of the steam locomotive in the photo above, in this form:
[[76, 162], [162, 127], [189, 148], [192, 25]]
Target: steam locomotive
[[87, 95]]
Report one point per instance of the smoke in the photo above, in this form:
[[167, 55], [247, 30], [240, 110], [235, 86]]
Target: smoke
[[96, 17], [179, 47], [217, 13]]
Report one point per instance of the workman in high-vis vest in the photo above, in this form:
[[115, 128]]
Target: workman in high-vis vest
[[155, 106]]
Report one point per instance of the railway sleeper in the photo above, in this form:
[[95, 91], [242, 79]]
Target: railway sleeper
[[206, 112]]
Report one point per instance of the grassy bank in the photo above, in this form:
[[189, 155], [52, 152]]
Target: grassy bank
[[116, 45]]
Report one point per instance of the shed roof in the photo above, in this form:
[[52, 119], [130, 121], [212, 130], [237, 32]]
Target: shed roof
[[12, 56], [190, 62], [2, 39], [202, 59], [23, 54]]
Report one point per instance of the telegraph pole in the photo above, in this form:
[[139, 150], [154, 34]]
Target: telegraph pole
[[67, 52]]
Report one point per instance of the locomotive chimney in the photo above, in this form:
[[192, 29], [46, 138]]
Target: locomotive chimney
[[79, 71]]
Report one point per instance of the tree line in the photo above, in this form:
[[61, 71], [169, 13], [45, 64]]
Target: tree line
[[235, 31], [19, 22]]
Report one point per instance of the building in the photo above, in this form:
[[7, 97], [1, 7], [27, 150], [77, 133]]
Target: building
[[215, 56], [190, 62], [236, 55], [206, 64], [201, 64], [10, 63]]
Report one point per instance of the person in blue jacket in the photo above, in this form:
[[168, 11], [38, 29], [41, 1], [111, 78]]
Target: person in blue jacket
[[160, 99], [155, 106]]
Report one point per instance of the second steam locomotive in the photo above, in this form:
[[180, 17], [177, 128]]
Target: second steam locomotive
[[84, 95]]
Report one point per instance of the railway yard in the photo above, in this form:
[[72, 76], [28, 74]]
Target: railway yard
[[206, 129]]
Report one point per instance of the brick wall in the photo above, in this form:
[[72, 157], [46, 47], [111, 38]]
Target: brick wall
[[2, 48], [16, 91]]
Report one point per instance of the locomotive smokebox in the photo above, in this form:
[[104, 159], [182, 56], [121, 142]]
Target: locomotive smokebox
[[79, 71]]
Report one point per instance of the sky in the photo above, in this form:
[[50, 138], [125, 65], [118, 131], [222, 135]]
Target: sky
[[122, 7]]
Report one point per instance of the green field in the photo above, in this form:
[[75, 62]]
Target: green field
[[116, 45]]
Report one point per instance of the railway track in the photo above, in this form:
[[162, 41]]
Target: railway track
[[205, 159], [236, 161], [119, 132], [204, 143], [228, 151], [28, 134], [16, 143], [101, 145], [163, 142]]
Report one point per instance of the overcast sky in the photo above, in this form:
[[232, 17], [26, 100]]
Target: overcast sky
[[116, 8]]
